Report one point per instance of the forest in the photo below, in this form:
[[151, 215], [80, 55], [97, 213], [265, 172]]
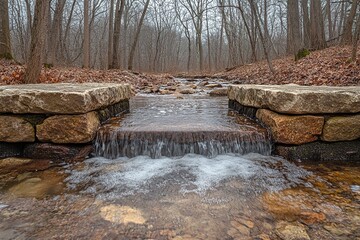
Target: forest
[[171, 35]]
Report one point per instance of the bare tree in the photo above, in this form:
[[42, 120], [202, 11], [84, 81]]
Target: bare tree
[[137, 34], [347, 34], [38, 35], [86, 44], [5, 44], [293, 20], [317, 31]]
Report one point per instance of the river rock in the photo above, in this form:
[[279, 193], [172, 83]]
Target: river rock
[[295, 99], [219, 92], [186, 91], [341, 129], [69, 128], [213, 85], [61, 98], [291, 129], [15, 129], [56, 152]]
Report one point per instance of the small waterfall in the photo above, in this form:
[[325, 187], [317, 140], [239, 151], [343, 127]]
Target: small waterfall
[[174, 128], [116, 144]]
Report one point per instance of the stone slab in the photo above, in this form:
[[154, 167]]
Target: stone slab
[[321, 151], [64, 129], [61, 98], [292, 129], [295, 99]]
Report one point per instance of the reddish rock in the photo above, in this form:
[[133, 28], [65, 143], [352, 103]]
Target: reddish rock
[[292, 129]]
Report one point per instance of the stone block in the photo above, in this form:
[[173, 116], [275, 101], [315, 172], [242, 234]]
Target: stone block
[[16, 129], [64, 129], [291, 129], [295, 99], [321, 151], [341, 128], [61, 98]]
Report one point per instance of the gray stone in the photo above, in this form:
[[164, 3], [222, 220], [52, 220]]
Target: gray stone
[[64, 129], [295, 99], [62, 98], [341, 128], [16, 129]]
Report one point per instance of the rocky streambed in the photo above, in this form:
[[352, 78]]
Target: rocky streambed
[[192, 197]]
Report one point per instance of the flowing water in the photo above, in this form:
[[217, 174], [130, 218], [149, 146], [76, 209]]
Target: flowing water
[[180, 169], [168, 126]]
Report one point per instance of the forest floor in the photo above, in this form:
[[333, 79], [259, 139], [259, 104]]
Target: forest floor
[[331, 67]]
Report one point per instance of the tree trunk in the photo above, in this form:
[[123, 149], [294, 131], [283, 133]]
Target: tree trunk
[[5, 44], [317, 31], [355, 40], [347, 34], [55, 31], [306, 23], [328, 12], [293, 36], [86, 47], [38, 35], [117, 28], [111, 34], [264, 39], [137, 34]]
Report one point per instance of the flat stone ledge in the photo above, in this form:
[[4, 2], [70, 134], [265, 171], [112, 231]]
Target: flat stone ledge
[[295, 99], [61, 98]]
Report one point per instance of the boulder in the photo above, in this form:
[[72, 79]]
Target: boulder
[[61, 98], [56, 152], [295, 99], [291, 129], [341, 129], [68, 128], [16, 129]]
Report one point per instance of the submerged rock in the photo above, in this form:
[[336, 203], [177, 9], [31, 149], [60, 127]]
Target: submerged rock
[[122, 214], [289, 231]]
